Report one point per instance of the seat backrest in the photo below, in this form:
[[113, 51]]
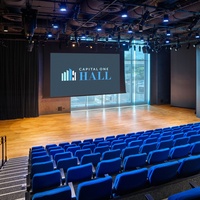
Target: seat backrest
[[162, 173], [38, 153], [111, 154], [179, 151], [76, 142], [195, 148], [93, 158], [41, 167], [89, 146], [158, 156], [193, 138], [135, 143], [62, 144], [112, 166], [79, 173], [163, 138], [130, 151], [48, 146], [73, 149], [180, 141], [150, 140], [190, 133], [165, 144], [40, 159], [116, 141], [120, 146], [178, 135], [104, 143], [61, 193], [130, 139], [46, 180], [82, 152], [129, 181], [53, 152], [101, 149], [69, 145], [66, 163], [134, 161], [193, 194], [83, 144], [100, 188], [189, 166], [90, 140], [146, 148], [59, 156]]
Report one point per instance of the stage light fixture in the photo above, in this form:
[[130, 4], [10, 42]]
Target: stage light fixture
[[99, 28], [168, 33], [167, 41], [124, 13], [110, 37], [49, 34], [63, 7], [5, 29], [165, 18], [130, 30], [197, 36]]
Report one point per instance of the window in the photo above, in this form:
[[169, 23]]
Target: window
[[136, 65]]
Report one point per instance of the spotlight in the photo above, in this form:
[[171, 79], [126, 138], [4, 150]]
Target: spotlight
[[55, 25], [193, 23], [197, 36], [130, 30], [5, 29], [63, 7], [142, 39], [165, 18], [168, 33], [124, 13], [110, 37], [99, 27], [49, 35], [83, 36], [167, 41]]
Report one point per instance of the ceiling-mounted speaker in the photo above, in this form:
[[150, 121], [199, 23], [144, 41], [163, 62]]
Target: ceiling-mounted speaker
[[29, 21]]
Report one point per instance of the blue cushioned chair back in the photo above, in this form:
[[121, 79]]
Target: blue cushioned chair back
[[130, 181], [40, 159], [134, 161], [189, 166], [146, 148], [79, 173], [76, 142], [163, 138], [104, 143], [166, 133], [180, 141], [130, 151], [62, 144], [41, 167], [98, 189], [165, 144], [190, 133], [120, 146], [93, 158], [63, 155], [179, 151], [135, 143], [69, 145], [83, 144], [66, 163], [112, 166], [162, 173], [48, 146], [73, 149], [82, 152], [111, 154], [150, 140], [127, 140], [89, 146], [158, 156], [90, 140], [116, 141], [153, 135], [193, 138], [60, 193], [38, 153], [46, 180], [120, 135], [195, 148], [101, 149], [53, 152], [192, 194], [176, 136], [37, 148]]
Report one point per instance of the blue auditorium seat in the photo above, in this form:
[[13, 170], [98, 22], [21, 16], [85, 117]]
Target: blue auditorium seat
[[76, 142], [130, 181], [189, 166], [104, 143], [63, 155], [79, 173], [48, 146], [62, 144], [162, 173], [134, 161], [59, 193], [99, 189], [97, 140], [83, 144], [111, 154], [165, 144], [179, 151], [130, 139], [37, 148], [191, 194], [90, 140], [120, 146], [193, 138], [150, 140], [101, 149], [89, 146], [38, 153], [130, 151], [66, 163], [135, 143], [69, 145], [180, 141], [116, 141], [73, 149], [82, 152], [163, 138], [40, 159], [112, 166], [176, 136], [195, 148], [93, 158], [146, 148], [120, 135], [190, 133], [55, 151], [158, 156], [46, 180]]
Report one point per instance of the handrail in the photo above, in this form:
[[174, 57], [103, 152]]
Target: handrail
[[3, 143]]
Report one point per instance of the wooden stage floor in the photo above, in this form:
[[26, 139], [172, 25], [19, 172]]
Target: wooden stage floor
[[25, 133]]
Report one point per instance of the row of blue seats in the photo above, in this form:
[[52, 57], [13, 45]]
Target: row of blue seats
[[124, 182]]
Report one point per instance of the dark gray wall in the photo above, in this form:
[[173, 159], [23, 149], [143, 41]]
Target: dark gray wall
[[183, 77], [198, 81], [160, 77]]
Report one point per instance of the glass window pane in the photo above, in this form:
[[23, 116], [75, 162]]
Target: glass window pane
[[95, 101]]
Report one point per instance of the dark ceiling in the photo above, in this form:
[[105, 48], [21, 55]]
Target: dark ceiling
[[32, 20]]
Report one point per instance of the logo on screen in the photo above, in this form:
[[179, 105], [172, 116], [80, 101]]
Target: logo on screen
[[68, 75], [86, 74]]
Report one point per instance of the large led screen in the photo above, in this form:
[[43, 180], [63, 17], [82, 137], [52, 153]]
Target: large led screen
[[78, 74]]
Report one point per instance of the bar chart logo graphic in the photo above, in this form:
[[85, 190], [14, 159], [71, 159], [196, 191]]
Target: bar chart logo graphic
[[68, 75]]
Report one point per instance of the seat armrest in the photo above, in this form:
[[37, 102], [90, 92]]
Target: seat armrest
[[62, 174], [149, 197], [28, 182], [73, 194], [27, 196]]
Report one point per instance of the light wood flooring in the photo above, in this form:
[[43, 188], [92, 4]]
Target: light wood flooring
[[25, 133]]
